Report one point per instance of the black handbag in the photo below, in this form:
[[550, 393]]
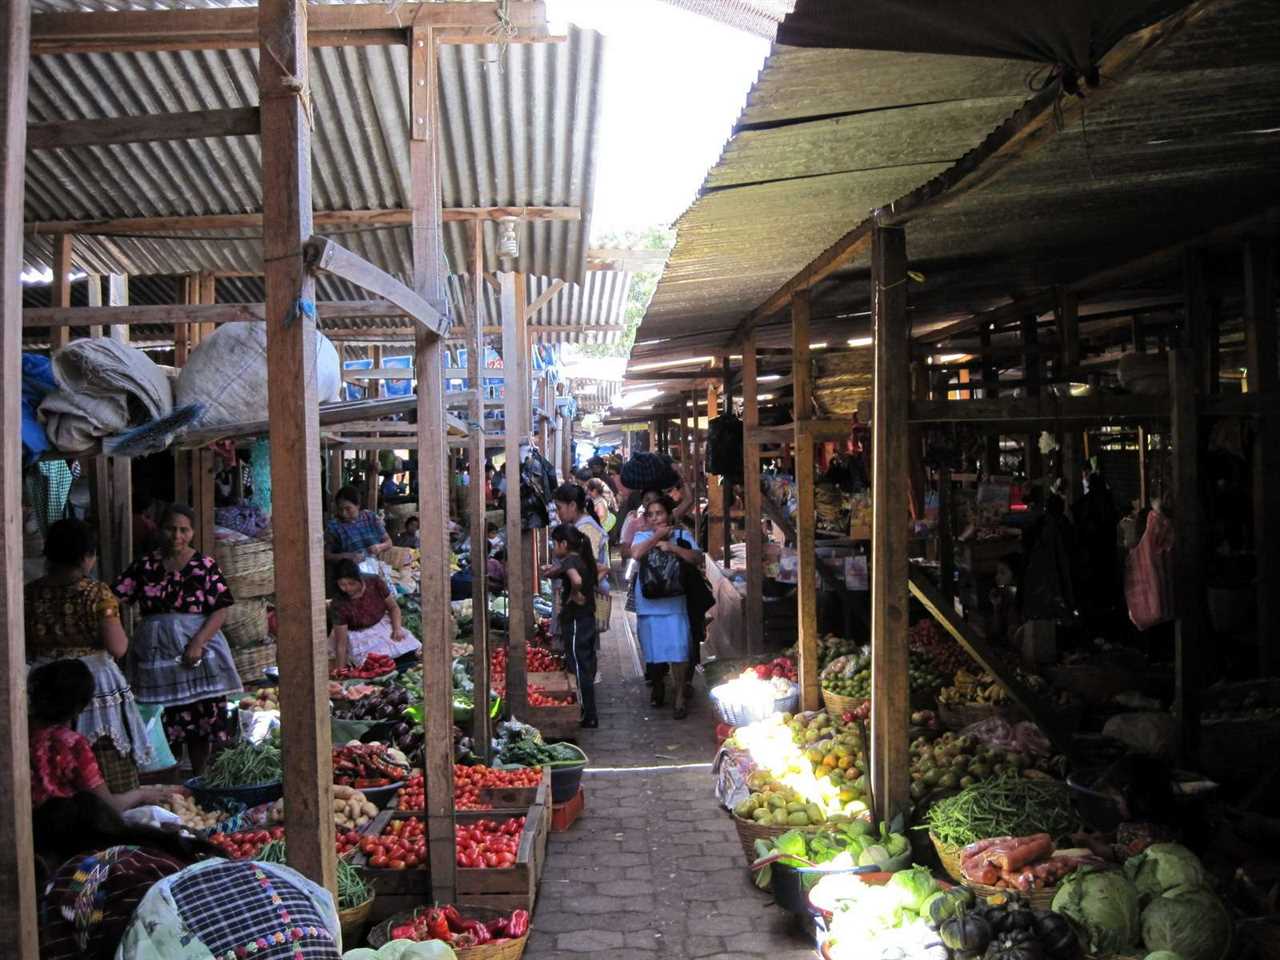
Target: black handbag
[[661, 575]]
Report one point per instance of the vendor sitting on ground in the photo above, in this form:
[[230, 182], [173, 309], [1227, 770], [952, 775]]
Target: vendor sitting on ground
[[62, 761], [409, 537], [366, 619]]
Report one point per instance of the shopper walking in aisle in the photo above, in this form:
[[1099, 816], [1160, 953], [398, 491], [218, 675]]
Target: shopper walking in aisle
[[575, 567], [69, 615], [179, 656], [662, 615]]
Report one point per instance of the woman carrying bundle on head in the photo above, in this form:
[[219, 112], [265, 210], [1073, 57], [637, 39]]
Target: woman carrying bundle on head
[[575, 566]]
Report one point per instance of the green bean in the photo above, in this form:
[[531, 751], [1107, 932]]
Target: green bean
[[1010, 806]]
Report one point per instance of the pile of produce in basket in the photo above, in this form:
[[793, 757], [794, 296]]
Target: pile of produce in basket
[[401, 845], [841, 846], [449, 926], [870, 919], [939, 648], [539, 697], [537, 660], [1160, 901], [351, 809], [788, 778], [1021, 863], [850, 675], [832, 646], [953, 761], [527, 753], [338, 690], [1004, 927], [982, 689], [368, 765], [267, 698], [388, 703], [245, 765], [1007, 807], [191, 814], [375, 665], [783, 668]]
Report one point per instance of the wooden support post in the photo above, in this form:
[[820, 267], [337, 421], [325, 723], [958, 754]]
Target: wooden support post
[[990, 390], [717, 505], [295, 440], [208, 297], [727, 498], [59, 337], [515, 408], [1189, 594], [1031, 388], [946, 535], [476, 510], [433, 501], [335, 471], [806, 515], [917, 477], [1068, 317], [751, 494], [17, 861], [120, 468], [696, 478], [890, 693], [1199, 331], [1260, 338]]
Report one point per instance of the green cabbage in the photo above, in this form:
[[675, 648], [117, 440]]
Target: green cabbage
[[1104, 906], [1162, 867], [792, 843], [913, 886], [1192, 923]]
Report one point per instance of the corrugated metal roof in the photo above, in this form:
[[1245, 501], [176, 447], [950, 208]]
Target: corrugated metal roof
[[1186, 143], [760, 17], [519, 129], [825, 137]]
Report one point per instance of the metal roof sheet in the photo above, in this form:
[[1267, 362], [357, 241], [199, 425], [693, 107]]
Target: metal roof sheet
[[519, 128]]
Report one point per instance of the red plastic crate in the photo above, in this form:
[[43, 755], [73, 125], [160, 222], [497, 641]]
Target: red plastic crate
[[564, 815]]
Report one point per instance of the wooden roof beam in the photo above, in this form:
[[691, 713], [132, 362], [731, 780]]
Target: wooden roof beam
[[325, 256], [230, 28], [190, 125], [1030, 128], [396, 217]]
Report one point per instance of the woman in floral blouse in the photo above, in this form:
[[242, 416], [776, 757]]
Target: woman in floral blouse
[[179, 656]]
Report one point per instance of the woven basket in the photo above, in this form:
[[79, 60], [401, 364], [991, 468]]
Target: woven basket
[[950, 857], [838, 704], [749, 832], [252, 661], [502, 950], [242, 558], [258, 584], [353, 921], [1040, 899], [246, 624], [958, 716]]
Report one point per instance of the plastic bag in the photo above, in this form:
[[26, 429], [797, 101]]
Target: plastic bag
[[162, 757], [1024, 737], [660, 576], [1148, 574]]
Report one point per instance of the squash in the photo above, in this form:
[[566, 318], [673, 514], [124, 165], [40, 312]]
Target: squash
[[1021, 945], [965, 932]]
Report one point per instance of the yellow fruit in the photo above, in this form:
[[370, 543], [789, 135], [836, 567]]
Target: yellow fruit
[[846, 763], [780, 817], [746, 808], [762, 815], [796, 807], [777, 802], [798, 819], [815, 813]]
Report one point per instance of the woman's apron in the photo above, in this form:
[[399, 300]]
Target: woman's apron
[[155, 662]]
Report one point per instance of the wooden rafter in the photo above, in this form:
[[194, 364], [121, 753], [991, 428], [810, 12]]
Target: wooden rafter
[[235, 122], [189, 313], [237, 27], [326, 256]]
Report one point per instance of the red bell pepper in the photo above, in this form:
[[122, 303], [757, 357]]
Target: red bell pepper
[[519, 924]]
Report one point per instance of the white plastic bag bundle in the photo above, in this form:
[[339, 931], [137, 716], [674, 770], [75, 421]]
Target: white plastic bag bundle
[[226, 375]]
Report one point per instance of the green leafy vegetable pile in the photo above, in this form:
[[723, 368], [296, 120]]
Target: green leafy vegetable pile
[[1007, 807], [526, 753], [245, 765]]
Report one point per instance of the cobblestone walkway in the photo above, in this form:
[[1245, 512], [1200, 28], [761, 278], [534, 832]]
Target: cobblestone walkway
[[653, 868]]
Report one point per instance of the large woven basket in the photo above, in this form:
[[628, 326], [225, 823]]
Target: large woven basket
[[246, 624], [243, 558], [353, 921], [257, 584], [950, 857], [1040, 899], [749, 831], [956, 717], [501, 950], [838, 704], [252, 661]]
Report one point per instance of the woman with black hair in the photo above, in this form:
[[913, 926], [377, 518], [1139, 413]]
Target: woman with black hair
[[353, 533], [179, 656], [67, 614], [366, 618], [571, 508], [575, 566], [62, 763]]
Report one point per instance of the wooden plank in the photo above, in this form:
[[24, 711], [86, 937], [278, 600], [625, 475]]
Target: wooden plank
[[295, 441], [1045, 410], [120, 468], [477, 508], [333, 258], [715, 490], [235, 28], [323, 220], [62, 244], [890, 692], [192, 125], [726, 400], [1027, 130], [514, 357], [331, 414], [18, 892], [1067, 310], [377, 374], [180, 314], [986, 656], [806, 516], [544, 298], [433, 501], [754, 535], [1260, 339], [1188, 522]]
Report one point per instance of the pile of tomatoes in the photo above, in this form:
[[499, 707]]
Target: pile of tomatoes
[[413, 795], [248, 844], [538, 697], [468, 781], [537, 660], [402, 845], [487, 843], [780, 667], [375, 665]]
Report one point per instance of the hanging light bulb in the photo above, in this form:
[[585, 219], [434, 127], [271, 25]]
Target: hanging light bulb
[[508, 244]]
